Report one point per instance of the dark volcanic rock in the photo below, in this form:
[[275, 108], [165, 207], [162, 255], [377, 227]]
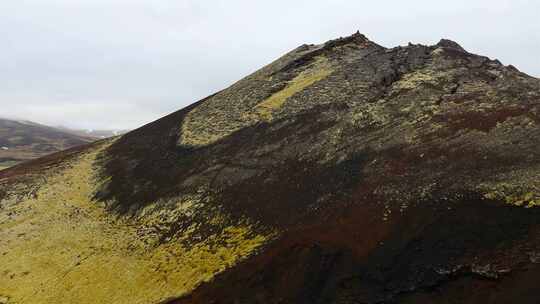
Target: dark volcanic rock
[[450, 44]]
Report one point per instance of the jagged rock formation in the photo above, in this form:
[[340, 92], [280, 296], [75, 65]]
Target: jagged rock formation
[[340, 173]]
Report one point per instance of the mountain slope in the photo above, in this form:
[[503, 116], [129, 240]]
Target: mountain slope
[[340, 173], [25, 140]]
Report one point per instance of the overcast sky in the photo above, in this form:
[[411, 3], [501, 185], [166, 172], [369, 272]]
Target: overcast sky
[[123, 63]]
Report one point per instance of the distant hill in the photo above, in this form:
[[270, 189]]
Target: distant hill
[[93, 133], [24, 140]]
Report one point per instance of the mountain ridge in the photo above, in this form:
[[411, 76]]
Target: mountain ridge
[[22, 140]]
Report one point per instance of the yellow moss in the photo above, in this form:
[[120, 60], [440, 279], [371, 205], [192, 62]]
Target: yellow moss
[[319, 71], [61, 247], [195, 139], [438, 51], [227, 113], [533, 203], [415, 79], [527, 199]]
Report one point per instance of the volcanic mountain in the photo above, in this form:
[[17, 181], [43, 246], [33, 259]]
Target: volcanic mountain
[[345, 172], [24, 140]]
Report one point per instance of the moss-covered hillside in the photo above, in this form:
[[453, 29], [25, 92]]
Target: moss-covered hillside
[[344, 172]]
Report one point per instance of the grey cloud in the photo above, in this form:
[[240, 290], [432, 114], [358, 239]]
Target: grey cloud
[[120, 63]]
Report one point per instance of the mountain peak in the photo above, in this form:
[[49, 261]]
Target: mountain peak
[[447, 43], [356, 38]]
